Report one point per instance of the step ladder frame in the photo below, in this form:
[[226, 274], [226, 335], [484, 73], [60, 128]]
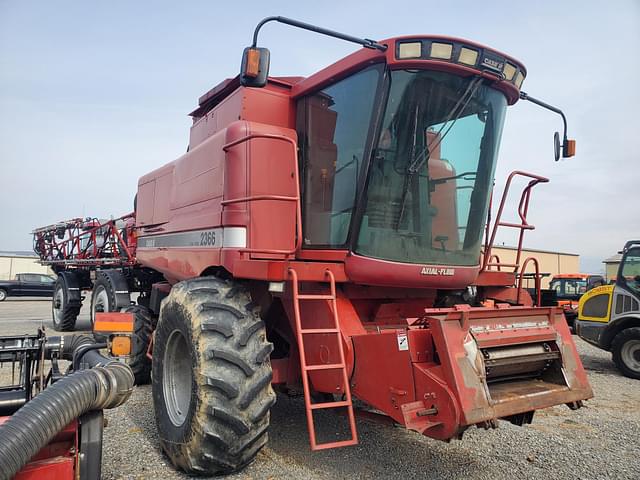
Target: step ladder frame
[[305, 369]]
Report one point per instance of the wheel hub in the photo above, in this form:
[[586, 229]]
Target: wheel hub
[[630, 354], [101, 302], [177, 378], [58, 300]]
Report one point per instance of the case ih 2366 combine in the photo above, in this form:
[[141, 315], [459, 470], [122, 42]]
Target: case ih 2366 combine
[[328, 230]]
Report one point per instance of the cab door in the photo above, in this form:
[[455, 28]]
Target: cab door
[[46, 286]]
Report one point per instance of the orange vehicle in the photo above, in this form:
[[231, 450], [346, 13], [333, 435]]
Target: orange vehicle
[[569, 287]]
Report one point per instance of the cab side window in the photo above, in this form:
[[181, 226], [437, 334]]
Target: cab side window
[[333, 125]]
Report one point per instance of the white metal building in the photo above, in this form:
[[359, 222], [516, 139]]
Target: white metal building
[[20, 262]]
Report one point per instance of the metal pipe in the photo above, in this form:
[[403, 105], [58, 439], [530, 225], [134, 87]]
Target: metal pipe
[[526, 96], [12, 400], [365, 42]]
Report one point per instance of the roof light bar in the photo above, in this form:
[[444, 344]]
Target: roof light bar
[[458, 52]]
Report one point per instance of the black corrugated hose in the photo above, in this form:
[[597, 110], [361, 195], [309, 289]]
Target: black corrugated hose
[[107, 384]]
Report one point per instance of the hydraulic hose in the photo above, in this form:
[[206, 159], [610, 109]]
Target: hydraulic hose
[[106, 384]]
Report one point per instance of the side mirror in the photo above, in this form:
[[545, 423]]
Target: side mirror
[[556, 146], [254, 69], [568, 147]]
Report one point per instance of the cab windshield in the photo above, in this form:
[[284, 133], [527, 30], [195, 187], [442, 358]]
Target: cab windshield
[[432, 169], [629, 274], [569, 288]]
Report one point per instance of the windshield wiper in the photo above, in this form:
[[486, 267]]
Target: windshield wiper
[[466, 98], [417, 163]]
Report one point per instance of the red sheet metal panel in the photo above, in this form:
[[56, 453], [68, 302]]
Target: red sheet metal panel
[[57, 468]]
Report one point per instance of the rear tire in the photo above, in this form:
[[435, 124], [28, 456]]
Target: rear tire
[[65, 306], [211, 377], [626, 352], [3, 295], [142, 329]]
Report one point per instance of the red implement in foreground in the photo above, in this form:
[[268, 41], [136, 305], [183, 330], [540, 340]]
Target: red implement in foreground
[[56, 461], [327, 232]]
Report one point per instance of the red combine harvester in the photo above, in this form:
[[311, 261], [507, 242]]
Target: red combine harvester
[[328, 230]]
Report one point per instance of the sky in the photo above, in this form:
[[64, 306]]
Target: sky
[[95, 94]]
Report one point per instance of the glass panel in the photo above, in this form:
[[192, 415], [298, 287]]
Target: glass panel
[[631, 269], [569, 288], [337, 122], [432, 172]]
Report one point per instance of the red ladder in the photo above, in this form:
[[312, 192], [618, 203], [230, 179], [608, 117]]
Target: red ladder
[[301, 332]]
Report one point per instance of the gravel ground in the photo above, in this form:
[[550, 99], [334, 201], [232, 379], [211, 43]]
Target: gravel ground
[[598, 441]]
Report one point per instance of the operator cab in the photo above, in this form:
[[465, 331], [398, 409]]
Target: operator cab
[[398, 152]]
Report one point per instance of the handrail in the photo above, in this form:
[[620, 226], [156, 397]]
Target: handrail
[[296, 199], [537, 279], [523, 209], [496, 264]]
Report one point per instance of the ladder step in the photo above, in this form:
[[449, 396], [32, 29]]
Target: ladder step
[[315, 297], [324, 405], [319, 330], [326, 366], [517, 225], [342, 443]]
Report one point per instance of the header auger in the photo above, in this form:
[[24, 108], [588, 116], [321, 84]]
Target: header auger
[[328, 231]]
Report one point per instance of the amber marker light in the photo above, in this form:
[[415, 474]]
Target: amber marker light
[[120, 345], [253, 63], [569, 148]]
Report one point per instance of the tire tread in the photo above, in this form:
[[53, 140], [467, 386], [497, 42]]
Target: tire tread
[[233, 376]]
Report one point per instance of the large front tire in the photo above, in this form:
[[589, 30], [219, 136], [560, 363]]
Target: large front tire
[[211, 377], [626, 352]]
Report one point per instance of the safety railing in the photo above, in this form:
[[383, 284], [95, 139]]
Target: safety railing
[[537, 279], [523, 209]]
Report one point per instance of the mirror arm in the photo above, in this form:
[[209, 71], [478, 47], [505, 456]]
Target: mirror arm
[[525, 96], [365, 42]]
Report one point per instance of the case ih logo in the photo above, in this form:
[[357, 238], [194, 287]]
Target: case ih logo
[[492, 63], [438, 271]]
